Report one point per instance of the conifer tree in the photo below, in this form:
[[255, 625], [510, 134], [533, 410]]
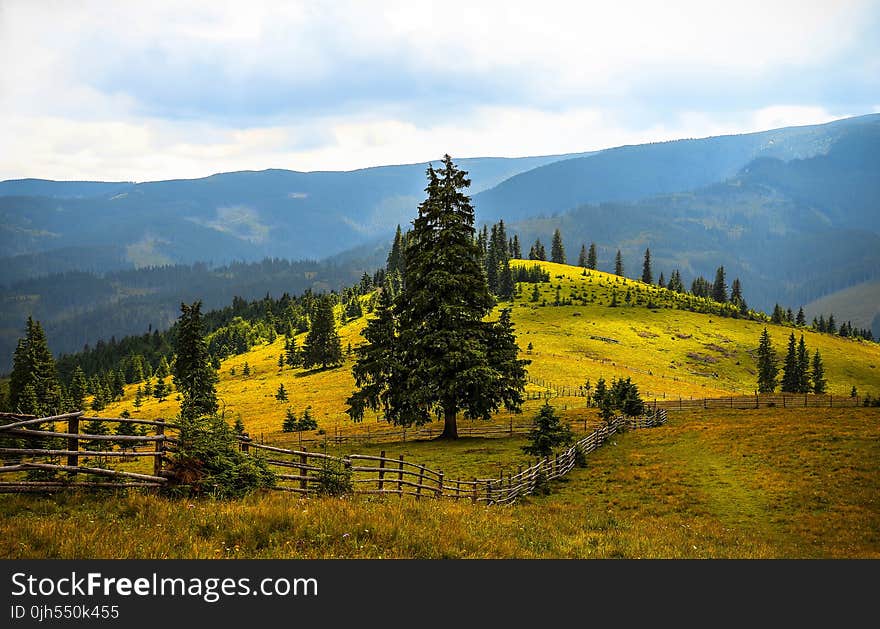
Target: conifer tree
[[618, 264], [292, 354], [803, 367], [582, 257], [506, 284], [281, 361], [790, 379], [148, 387], [160, 391], [832, 326], [719, 286], [34, 366], [736, 297], [537, 251], [322, 345], [662, 281], [515, 249], [431, 350], [557, 250], [77, 390], [778, 315], [767, 366], [547, 433], [290, 422], [194, 375], [818, 375], [647, 274], [246, 370], [395, 256], [281, 394], [800, 320], [536, 294], [138, 397], [592, 260], [238, 426]]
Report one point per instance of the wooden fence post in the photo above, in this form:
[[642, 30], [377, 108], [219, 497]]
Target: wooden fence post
[[421, 480], [303, 471], [382, 470], [244, 444], [440, 488], [400, 476], [160, 447], [73, 442], [474, 498]]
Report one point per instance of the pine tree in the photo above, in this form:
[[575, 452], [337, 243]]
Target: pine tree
[[290, 423], [322, 345], [592, 261], [647, 274], [790, 380], [292, 354], [506, 284], [307, 422], [618, 264], [582, 257], [818, 375], [281, 361], [800, 320], [719, 286], [194, 375], [736, 297], [536, 294], [435, 349], [515, 250], [547, 433], [138, 398], [160, 391], [148, 387], [77, 390], [395, 256], [557, 250], [832, 326], [778, 315], [238, 427], [34, 366], [537, 251], [246, 370], [767, 367], [662, 281], [95, 427], [281, 394], [803, 367]]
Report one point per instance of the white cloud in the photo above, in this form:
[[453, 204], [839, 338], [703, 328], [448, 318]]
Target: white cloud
[[566, 76]]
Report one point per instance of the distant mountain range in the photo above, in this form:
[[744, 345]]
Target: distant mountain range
[[793, 212]]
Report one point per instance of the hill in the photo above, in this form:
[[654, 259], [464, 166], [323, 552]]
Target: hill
[[666, 350], [861, 303]]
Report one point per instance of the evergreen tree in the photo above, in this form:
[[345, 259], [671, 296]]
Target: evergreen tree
[[818, 375], [395, 256], [618, 264], [292, 354], [592, 260], [194, 375], [281, 361], [34, 366], [801, 320], [557, 250], [437, 352], [767, 367], [322, 345], [675, 283], [506, 284], [77, 390], [832, 326], [803, 367], [582, 257], [138, 398], [547, 433], [160, 391], [95, 427], [99, 400], [719, 286], [125, 429], [662, 281], [281, 394], [736, 297], [148, 387], [789, 316], [778, 315], [290, 423], [238, 427], [307, 422], [354, 310], [790, 380], [536, 294], [537, 251], [515, 250], [246, 370], [647, 274]]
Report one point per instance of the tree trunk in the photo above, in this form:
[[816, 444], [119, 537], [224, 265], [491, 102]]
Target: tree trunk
[[450, 427]]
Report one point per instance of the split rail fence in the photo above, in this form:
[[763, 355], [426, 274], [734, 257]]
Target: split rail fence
[[300, 471]]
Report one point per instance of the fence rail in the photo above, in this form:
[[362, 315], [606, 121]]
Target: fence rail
[[301, 471]]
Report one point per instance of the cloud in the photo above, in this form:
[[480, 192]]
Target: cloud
[[121, 91]]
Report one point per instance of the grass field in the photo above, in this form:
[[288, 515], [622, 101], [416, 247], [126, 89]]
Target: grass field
[[668, 352], [752, 484]]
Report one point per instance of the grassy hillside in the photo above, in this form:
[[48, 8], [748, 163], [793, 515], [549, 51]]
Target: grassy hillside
[[770, 483], [861, 303], [668, 352]]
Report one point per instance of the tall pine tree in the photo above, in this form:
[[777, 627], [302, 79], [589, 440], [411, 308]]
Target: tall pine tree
[[790, 377], [592, 260], [322, 345], [618, 264], [582, 256], [818, 374], [803, 367], [431, 350], [33, 366], [767, 367], [557, 249], [719, 286], [647, 274], [194, 375]]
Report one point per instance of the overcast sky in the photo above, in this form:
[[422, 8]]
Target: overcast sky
[[152, 90]]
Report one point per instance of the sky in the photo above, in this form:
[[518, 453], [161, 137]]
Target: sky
[[142, 91]]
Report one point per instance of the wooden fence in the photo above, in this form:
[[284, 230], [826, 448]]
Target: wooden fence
[[782, 400], [299, 471], [314, 472], [60, 452]]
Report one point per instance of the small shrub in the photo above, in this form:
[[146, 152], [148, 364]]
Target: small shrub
[[542, 484], [580, 457], [334, 478]]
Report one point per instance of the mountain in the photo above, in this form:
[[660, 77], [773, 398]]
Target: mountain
[[792, 231], [48, 226]]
